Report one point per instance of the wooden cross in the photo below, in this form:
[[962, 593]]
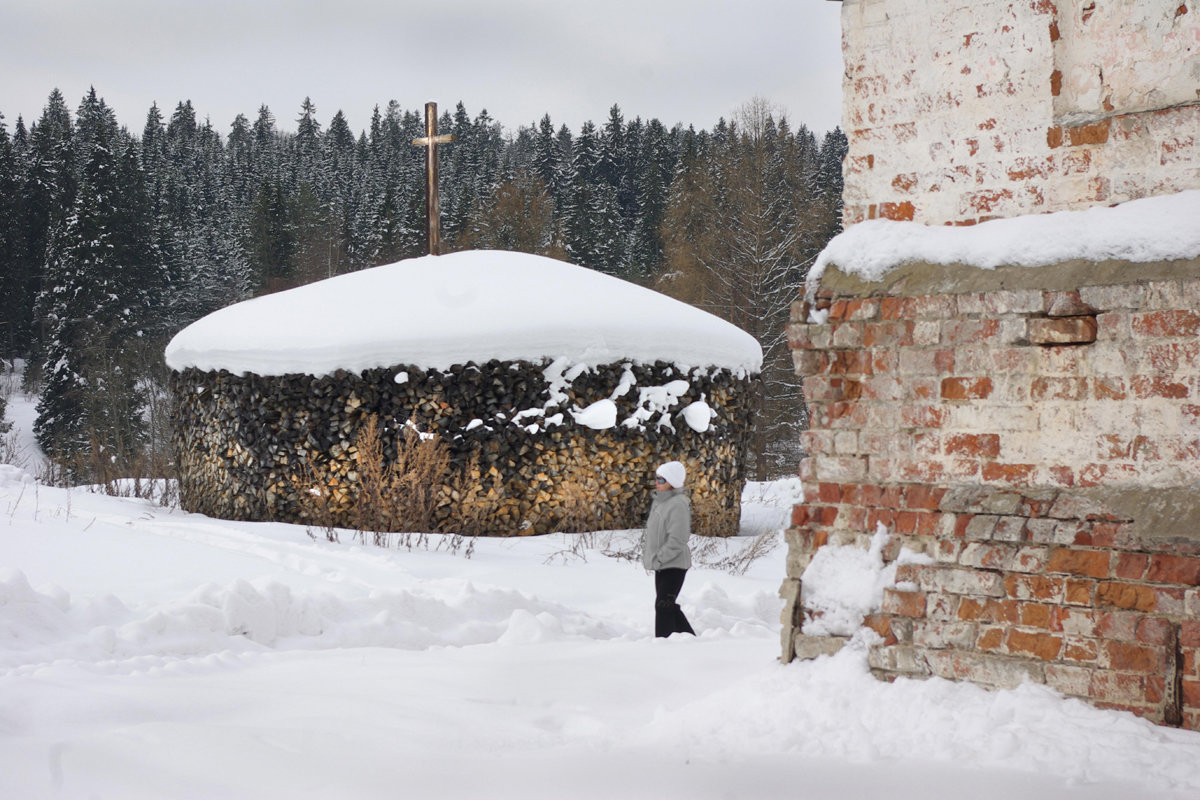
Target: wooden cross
[[430, 141]]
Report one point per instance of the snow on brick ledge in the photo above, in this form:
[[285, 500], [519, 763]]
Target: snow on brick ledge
[[1154, 229], [557, 390]]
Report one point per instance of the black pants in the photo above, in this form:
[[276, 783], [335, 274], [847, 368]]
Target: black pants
[[668, 616]]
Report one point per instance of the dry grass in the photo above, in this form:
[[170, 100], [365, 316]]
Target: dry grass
[[401, 502]]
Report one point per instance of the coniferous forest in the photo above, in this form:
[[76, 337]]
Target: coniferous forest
[[112, 240]]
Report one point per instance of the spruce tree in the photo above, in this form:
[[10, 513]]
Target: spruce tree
[[12, 291], [92, 304]]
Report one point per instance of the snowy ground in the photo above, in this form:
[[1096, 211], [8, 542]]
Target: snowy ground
[[150, 653]]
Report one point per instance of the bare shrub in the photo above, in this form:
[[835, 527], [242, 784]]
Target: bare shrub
[[402, 502], [718, 554], [574, 513]]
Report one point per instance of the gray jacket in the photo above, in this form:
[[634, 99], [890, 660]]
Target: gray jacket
[[665, 540]]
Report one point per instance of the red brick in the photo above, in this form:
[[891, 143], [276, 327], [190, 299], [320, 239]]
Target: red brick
[[1082, 650], [1090, 563], [1131, 566], [1134, 658], [977, 445], [892, 497], [882, 625], [878, 516], [1174, 569], [996, 611], [1013, 474], [1166, 323], [1043, 646], [1033, 587], [966, 388], [903, 604], [1035, 615], [1102, 534], [897, 333], [990, 639], [1079, 592], [924, 498], [1062, 331], [1189, 633], [898, 211], [1154, 630], [1094, 133], [1126, 595], [1152, 386]]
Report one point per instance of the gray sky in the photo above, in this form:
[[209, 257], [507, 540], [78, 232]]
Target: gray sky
[[690, 61]]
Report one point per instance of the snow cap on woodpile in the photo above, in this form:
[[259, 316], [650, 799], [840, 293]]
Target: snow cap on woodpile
[[474, 306]]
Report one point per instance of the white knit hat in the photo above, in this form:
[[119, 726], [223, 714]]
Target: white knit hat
[[673, 472]]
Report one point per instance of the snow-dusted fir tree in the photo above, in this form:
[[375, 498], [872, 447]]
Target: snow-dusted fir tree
[[98, 288], [46, 198], [10, 289], [743, 225]]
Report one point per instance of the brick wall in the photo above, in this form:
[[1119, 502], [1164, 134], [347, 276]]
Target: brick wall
[[1042, 446], [961, 112]]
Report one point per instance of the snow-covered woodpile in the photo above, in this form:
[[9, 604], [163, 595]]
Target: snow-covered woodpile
[[958, 112], [1029, 433], [556, 392], [253, 447]]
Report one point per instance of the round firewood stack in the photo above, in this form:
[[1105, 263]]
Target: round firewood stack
[[287, 447]]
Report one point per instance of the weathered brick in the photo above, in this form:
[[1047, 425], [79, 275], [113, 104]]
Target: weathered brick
[[989, 670], [1166, 323], [980, 527], [941, 634], [975, 445], [1010, 474], [1073, 621], [990, 639], [1029, 560], [1070, 680], [1134, 658], [987, 556], [1079, 592], [1149, 387], [1081, 650], [1174, 569], [978, 388], [1044, 646], [1114, 594], [962, 581], [1062, 331], [904, 604], [1034, 615], [923, 498], [882, 625], [1090, 563], [902, 659], [1034, 587]]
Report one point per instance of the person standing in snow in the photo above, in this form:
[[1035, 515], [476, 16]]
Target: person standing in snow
[[665, 547]]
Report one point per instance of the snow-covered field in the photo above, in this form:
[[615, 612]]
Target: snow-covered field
[[150, 653]]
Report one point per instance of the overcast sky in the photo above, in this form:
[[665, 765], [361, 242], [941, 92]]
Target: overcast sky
[[689, 61]]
